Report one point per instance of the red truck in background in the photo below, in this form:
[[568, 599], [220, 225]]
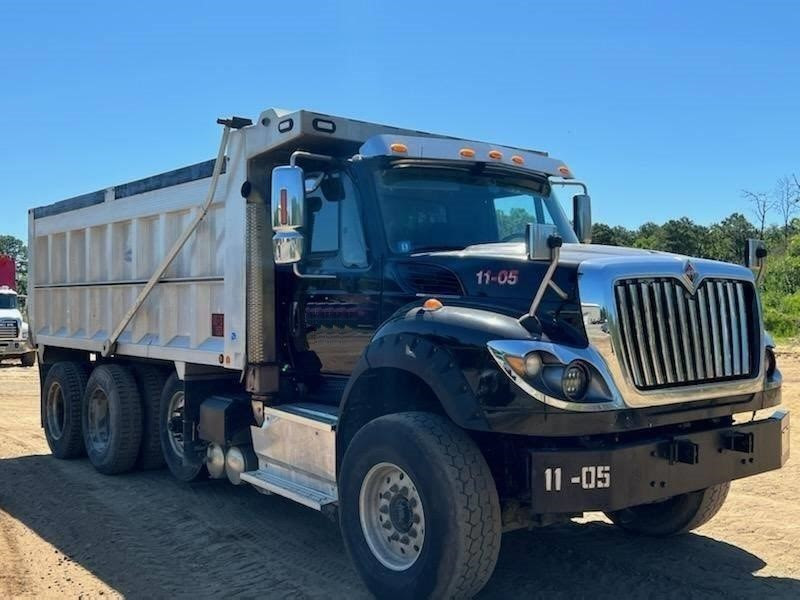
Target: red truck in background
[[8, 272]]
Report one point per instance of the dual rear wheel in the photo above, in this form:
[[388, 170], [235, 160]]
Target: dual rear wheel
[[112, 413]]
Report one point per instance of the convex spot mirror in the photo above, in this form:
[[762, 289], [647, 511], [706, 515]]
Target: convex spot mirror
[[288, 213], [582, 217]]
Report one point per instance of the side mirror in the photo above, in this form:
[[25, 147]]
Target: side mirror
[[287, 208], [582, 218], [755, 257]]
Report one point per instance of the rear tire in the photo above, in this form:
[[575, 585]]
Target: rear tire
[[62, 397], [151, 381], [112, 419], [29, 359], [419, 511], [676, 515], [171, 422]]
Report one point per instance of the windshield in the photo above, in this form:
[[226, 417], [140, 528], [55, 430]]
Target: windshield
[[433, 208], [8, 301]]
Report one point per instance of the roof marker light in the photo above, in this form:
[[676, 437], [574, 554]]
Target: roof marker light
[[467, 153], [517, 160], [399, 148], [564, 170], [495, 154]]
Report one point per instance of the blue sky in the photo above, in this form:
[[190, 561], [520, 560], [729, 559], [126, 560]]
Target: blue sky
[[666, 109]]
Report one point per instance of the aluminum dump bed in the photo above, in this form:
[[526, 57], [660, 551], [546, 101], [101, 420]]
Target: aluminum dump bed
[[92, 255]]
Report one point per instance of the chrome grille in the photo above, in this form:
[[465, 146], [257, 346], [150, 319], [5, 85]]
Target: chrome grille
[[8, 329], [670, 337]]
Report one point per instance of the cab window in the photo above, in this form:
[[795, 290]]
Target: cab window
[[337, 235]]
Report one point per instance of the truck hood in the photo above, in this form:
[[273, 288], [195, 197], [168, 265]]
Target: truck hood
[[572, 256], [500, 277], [10, 313]]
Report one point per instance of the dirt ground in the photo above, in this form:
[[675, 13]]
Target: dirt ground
[[67, 531]]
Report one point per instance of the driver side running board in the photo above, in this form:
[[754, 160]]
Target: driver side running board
[[296, 449], [273, 483]]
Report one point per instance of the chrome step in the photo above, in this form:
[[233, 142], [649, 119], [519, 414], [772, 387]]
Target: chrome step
[[312, 411], [273, 482]]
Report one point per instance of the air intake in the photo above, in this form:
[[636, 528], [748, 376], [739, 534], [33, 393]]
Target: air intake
[[430, 279]]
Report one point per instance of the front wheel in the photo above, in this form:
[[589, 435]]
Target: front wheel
[[419, 511], [28, 359], [675, 515]]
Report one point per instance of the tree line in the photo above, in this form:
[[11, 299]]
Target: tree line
[[776, 222]]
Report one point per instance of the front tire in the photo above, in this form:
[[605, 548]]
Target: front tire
[[419, 511], [28, 359], [112, 419], [676, 515]]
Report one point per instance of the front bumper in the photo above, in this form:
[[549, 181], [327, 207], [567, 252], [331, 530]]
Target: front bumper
[[14, 348], [578, 480]]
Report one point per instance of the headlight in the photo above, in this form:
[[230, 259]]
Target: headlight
[[24, 331], [575, 381]]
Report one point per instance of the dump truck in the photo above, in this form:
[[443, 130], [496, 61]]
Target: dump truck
[[14, 339], [405, 331]]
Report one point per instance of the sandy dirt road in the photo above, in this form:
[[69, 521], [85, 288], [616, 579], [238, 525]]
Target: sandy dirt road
[[67, 531]]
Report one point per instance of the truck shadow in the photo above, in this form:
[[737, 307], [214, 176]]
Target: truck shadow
[[146, 535]]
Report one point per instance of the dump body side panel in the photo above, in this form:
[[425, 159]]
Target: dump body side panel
[[89, 264]]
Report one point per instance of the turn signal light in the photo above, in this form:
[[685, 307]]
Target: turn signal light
[[432, 304], [399, 148]]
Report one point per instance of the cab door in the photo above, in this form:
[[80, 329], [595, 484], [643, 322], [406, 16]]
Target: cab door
[[337, 305]]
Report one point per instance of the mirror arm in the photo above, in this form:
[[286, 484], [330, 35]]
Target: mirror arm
[[297, 273], [557, 181], [555, 253], [308, 155], [555, 287]]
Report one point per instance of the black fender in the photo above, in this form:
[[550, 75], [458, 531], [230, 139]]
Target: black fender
[[434, 345]]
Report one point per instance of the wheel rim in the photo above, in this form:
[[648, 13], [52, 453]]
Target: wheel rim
[[98, 420], [392, 516], [176, 416], [55, 411]]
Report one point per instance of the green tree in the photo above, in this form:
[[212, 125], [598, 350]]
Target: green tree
[[728, 238], [513, 222], [612, 236], [16, 249]]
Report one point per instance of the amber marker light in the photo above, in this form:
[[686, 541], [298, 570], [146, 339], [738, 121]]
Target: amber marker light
[[564, 170], [517, 160], [399, 148], [432, 304], [495, 154], [467, 153]]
